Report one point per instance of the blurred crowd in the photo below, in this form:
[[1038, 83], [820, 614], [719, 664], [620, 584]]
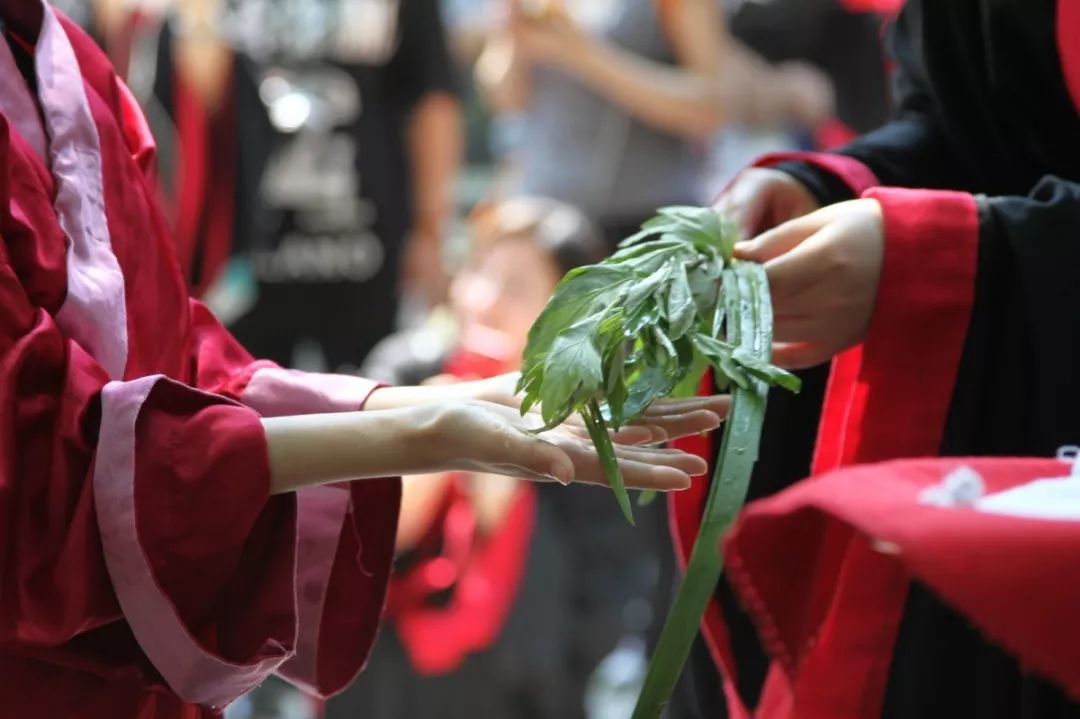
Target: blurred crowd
[[394, 188]]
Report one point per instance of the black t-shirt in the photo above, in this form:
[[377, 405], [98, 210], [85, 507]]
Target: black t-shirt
[[339, 187]]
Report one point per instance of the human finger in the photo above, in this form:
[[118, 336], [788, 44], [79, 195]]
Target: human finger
[[682, 425], [718, 403], [798, 355], [779, 240], [691, 464], [535, 456]]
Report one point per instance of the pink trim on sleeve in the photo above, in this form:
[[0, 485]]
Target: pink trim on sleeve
[[321, 515], [275, 392], [193, 673], [854, 174]]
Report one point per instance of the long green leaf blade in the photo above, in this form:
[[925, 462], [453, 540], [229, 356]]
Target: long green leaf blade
[[749, 327]]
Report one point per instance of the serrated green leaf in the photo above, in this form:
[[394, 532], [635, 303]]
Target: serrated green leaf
[[579, 295], [764, 371], [670, 357], [733, 372], [650, 228], [636, 254], [704, 278], [652, 384], [681, 310], [729, 235], [699, 224], [573, 367], [615, 385], [646, 317], [643, 290]]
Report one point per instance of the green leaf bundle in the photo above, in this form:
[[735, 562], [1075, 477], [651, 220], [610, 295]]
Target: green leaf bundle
[[642, 325]]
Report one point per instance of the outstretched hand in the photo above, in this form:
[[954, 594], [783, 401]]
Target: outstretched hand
[[496, 439]]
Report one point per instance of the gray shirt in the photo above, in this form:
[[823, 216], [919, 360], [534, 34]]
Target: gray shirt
[[580, 148]]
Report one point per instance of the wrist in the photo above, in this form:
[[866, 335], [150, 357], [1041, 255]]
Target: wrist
[[434, 433]]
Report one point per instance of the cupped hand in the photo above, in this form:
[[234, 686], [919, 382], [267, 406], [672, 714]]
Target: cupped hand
[[759, 199], [495, 439], [823, 271]]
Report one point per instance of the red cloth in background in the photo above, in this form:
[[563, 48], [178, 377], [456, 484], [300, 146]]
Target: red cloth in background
[[203, 217], [477, 576], [481, 575]]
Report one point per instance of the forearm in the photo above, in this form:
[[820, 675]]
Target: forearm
[[388, 398], [435, 150], [502, 76], [760, 95], [667, 97], [310, 450]]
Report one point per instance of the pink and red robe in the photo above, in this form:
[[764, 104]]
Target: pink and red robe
[[146, 570]]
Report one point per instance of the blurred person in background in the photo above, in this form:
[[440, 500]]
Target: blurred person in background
[[618, 99], [842, 38], [218, 136], [504, 601], [200, 94], [363, 94]]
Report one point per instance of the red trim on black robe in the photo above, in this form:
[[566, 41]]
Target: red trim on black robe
[[838, 612], [888, 398]]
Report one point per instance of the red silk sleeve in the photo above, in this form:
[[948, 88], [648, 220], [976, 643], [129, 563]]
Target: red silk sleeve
[[144, 502]]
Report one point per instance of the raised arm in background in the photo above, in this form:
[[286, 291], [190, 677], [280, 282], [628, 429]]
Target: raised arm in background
[[717, 80]]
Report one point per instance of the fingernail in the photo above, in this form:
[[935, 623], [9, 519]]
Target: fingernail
[[560, 475]]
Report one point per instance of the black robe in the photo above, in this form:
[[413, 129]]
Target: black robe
[[988, 93]]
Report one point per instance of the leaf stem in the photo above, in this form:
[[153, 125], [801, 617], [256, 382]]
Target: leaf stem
[[598, 432]]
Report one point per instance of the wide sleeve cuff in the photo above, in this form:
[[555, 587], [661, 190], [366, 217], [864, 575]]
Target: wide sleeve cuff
[[345, 553], [200, 557], [915, 341], [220, 583], [345, 538], [831, 177], [275, 392]]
